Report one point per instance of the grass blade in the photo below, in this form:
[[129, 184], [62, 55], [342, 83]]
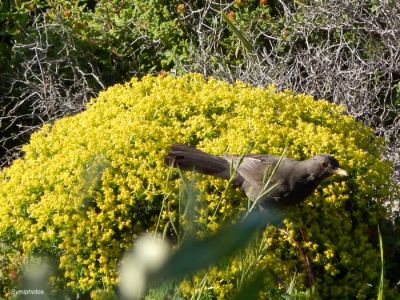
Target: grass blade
[[381, 281], [245, 40]]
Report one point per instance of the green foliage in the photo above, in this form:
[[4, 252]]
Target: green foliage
[[15, 15], [14, 19], [90, 183], [123, 36]]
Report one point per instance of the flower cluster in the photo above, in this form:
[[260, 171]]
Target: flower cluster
[[89, 184]]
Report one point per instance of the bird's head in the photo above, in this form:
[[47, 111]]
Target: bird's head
[[324, 165]]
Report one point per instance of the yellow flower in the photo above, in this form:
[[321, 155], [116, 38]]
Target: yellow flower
[[89, 184]]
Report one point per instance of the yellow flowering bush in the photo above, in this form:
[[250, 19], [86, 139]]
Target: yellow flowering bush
[[89, 184]]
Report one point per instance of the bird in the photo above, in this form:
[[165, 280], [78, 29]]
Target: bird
[[267, 180]]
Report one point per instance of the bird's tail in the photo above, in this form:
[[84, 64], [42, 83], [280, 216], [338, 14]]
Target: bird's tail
[[189, 158]]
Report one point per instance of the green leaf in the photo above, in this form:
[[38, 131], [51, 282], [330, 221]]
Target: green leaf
[[200, 254], [241, 35], [252, 288]]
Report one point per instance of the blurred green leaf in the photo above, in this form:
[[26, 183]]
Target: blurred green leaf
[[199, 254], [252, 288]]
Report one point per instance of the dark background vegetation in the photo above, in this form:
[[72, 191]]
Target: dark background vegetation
[[55, 55]]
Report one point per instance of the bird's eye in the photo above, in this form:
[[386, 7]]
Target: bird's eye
[[324, 164]]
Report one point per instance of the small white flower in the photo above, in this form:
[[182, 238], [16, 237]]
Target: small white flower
[[132, 278], [151, 251], [148, 255]]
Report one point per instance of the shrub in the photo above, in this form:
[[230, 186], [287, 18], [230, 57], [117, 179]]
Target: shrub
[[339, 52], [57, 54], [89, 184]]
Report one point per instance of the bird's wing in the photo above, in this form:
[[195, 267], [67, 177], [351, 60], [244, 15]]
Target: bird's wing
[[268, 158], [251, 168], [264, 157], [266, 164], [257, 170]]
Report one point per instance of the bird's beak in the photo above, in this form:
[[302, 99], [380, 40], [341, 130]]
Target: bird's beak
[[340, 172]]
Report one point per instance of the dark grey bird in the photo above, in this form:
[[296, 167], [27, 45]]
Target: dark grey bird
[[267, 179]]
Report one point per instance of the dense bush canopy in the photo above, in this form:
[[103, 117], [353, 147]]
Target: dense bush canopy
[[55, 55], [90, 183]]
